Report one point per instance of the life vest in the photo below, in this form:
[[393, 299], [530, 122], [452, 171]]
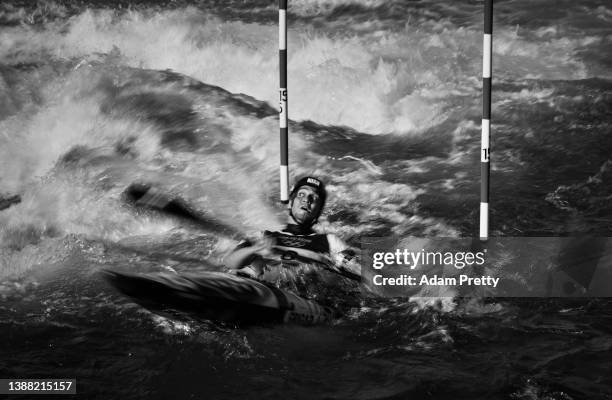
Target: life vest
[[291, 249]]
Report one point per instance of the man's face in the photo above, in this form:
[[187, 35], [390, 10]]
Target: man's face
[[306, 205]]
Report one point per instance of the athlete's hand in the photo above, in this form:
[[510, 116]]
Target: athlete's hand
[[264, 247]]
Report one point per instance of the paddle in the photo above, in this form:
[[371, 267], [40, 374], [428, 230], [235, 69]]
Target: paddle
[[147, 196], [9, 201]]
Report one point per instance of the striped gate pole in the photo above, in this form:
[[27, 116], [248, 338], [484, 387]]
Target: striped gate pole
[[283, 117], [485, 164]]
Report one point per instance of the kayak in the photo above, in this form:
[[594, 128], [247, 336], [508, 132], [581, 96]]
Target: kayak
[[218, 296]]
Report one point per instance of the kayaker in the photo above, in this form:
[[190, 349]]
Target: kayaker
[[297, 244]]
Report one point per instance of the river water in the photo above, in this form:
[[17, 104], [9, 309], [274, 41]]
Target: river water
[[384, 105]]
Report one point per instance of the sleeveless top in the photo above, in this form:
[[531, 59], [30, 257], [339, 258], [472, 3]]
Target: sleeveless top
[[291, 250]]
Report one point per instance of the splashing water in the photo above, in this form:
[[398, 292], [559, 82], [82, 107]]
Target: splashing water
[[385, 106]]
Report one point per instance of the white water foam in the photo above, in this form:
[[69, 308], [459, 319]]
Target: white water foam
[[374, 81]]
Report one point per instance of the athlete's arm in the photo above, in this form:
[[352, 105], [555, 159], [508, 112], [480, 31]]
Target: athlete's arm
[[245, 253]]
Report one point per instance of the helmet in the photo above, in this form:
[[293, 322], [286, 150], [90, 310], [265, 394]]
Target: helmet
[[312, 182]]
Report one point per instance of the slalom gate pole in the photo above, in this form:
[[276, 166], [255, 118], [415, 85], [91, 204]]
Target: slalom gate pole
[[283, 117], [485, 164]]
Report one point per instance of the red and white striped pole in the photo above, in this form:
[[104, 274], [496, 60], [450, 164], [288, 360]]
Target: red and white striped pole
[[485, 164], [283, 117]]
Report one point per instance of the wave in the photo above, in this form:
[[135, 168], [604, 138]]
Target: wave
[[402, 78], [592, 196]]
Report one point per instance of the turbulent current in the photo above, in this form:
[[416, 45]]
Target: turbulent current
[[385, 103]]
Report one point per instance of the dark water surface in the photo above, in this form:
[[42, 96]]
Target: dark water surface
[[385, 106]]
